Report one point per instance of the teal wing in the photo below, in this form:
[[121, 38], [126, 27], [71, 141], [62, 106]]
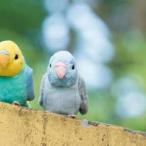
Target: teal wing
[[29, 84]]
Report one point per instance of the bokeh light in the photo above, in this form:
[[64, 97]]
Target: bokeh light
[[55, 32], [133, 104]]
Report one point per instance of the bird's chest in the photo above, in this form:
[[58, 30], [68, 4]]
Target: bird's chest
[[12, 87], [63, 100]]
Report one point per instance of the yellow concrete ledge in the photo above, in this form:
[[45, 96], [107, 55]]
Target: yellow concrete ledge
[[21, 127]]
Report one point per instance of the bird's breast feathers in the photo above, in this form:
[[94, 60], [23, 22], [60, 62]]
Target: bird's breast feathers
[[63, 99]]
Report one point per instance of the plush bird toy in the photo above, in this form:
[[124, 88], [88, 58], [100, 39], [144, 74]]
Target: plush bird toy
[[62, 89], [16, 85]]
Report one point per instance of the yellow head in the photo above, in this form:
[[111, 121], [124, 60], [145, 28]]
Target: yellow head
[[11, 59]]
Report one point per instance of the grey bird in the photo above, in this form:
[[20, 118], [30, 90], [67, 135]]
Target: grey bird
[[62, 89]]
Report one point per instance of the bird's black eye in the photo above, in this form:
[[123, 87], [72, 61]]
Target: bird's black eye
[[73, 67], [50, 65], [16, 57]]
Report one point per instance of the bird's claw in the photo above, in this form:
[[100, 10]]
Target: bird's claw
[[72, 116], [16, 103], [85, 123]]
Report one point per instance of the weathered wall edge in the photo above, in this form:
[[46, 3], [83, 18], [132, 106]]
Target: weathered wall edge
[[23, 127]]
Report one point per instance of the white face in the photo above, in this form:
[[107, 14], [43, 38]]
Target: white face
[[62, 70]]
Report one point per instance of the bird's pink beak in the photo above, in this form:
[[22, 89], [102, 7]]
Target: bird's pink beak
[[60, 69]]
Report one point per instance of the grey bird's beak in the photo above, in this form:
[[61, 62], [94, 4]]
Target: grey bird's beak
[[60, 69]]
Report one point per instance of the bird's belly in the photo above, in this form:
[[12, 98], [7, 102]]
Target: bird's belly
[[12, 90], [65, 101]]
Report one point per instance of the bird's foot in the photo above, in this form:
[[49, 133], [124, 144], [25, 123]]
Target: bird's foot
[[85, 123], [72, 116], [16, 103]]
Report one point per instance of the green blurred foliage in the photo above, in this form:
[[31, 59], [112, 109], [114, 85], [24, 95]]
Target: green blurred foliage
[[131, 59], [20, 15]]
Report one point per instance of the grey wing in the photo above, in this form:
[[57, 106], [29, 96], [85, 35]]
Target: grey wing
[[84, 99], [30, 89], [42, 90]]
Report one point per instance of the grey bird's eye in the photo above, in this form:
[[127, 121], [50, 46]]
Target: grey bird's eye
[[73, 67], [50, 65]]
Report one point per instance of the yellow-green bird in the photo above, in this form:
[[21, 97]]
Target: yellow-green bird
[[16, 83]]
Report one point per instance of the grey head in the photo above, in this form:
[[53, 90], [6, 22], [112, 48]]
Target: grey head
[[62, 69]]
